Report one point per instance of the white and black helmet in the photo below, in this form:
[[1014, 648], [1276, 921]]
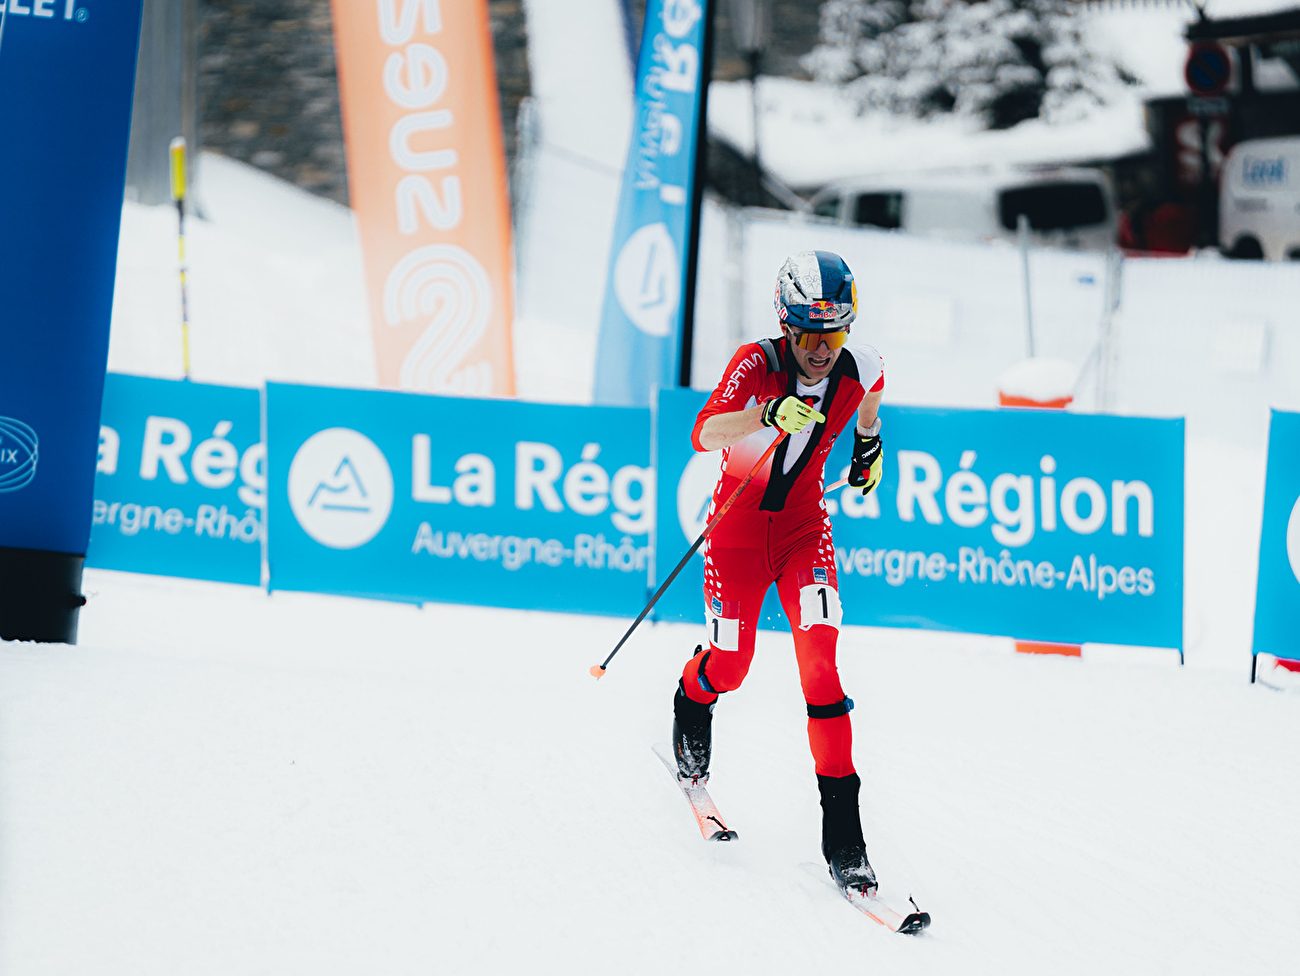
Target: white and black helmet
[[815, 291]]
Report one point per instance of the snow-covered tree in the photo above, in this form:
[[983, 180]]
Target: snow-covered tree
[[1002, 61]]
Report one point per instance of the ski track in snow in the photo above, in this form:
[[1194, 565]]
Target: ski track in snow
[[220, 781]]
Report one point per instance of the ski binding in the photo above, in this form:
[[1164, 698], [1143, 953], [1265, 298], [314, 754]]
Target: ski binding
[[907, 921], [712, 827]]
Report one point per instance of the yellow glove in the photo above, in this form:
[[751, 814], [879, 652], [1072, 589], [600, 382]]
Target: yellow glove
[[790, 414]]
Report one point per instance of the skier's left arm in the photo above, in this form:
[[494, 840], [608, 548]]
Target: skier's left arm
[[869, 408], [868, 450]]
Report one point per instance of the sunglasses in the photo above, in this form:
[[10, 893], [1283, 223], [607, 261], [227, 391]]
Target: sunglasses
[[812, 340]]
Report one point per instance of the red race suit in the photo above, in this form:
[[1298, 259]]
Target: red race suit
[[778, 531]]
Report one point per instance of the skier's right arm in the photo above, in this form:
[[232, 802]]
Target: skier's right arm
[[724, 429], [725, 419]]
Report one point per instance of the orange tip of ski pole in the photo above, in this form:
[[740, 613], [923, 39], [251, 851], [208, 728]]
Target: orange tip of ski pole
[[597, 671]]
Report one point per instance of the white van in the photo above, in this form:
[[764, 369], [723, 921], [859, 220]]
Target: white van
[[1259, 203], [1066, 207]]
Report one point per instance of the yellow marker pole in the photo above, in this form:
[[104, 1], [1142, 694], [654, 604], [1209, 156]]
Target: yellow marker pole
[[177, 151]]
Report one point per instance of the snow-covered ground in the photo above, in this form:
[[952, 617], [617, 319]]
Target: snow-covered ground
[[217, 780], [220, 781], [275, 286]]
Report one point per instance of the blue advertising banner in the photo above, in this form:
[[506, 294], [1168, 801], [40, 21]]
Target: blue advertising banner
[[641, 323], [67, 71], [501, 503], [180, 487], [1005, 522], [1277, 602]]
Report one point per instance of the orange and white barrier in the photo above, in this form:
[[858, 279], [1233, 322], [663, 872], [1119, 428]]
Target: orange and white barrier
[[1046, 384], [426, 174], [1038, 382]]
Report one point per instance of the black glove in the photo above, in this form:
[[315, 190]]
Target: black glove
[[868, 459]]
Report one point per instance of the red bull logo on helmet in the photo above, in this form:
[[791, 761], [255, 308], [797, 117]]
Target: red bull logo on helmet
[[822, 310]]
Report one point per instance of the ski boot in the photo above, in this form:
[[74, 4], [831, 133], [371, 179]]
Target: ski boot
[[842, 844], [692, 737]]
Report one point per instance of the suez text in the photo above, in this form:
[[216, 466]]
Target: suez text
[[415, 78], [541, 478]]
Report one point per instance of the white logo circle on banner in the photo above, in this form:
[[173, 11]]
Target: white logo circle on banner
[[694, 489], [647, 280], [340, 488], [1293, 540]]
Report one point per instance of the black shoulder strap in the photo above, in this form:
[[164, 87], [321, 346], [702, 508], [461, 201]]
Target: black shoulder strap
[[779, 480], [768, 346]]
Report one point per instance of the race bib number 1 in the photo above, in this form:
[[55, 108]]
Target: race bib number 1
[[724, 631], [819, 603]]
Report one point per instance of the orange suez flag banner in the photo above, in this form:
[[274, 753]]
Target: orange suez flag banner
[[426, 174]]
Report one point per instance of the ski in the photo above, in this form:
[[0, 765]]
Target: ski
[[706, 812], [907, 921]]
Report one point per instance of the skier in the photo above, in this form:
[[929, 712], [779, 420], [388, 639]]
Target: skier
[[808, 384]]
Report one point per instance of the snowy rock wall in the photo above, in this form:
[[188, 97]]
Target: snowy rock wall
[[268, 86], [268, 91]]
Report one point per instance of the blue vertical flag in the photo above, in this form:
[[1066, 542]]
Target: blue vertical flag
[[641, 323], [67, 73]]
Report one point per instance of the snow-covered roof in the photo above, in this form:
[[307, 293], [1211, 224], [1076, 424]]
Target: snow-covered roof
[[980, 178], [811, 134]]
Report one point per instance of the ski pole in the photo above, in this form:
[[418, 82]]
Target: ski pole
[[598, 670], [177, 151]]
